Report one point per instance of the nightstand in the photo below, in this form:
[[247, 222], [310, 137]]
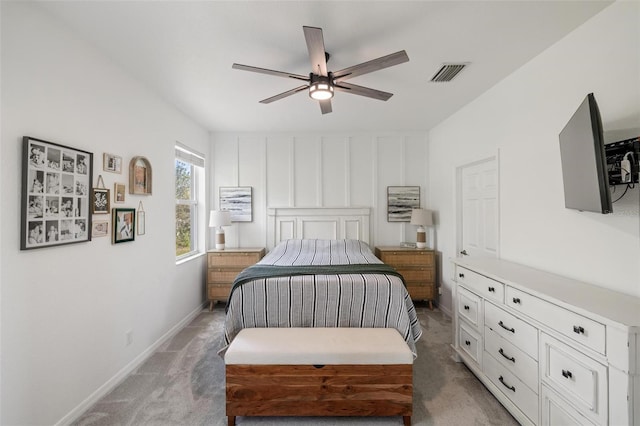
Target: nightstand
[[417, 266], [222, 268]]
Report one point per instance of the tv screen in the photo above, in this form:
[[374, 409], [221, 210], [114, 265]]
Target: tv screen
[[584, 165]]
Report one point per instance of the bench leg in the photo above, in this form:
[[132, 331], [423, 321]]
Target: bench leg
[[406, 420], [231, 420]]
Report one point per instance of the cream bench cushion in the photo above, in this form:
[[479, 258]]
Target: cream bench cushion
[[318, 346]]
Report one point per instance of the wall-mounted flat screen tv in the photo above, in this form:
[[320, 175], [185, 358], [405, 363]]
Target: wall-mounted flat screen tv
[[584, 164]]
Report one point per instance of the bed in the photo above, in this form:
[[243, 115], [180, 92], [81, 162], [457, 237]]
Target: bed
[[321, 283]]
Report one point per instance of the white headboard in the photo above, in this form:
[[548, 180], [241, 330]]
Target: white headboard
[[286, 223]]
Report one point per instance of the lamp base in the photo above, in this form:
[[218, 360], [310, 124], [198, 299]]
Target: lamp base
[[219, 239], [421, 238]]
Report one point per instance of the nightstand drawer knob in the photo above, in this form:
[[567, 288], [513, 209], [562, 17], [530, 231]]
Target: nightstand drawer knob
[[492, 289], [567, 374], [578, 330], [466, 307], [516, 300], [468, 343]]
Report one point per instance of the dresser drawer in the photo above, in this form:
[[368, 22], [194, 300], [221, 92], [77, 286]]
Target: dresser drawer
[[512, 387], [399, 258], [512, 329], [486, 287], [556, 411], [576, 327], [580, 379], [470, 307], [470, 342], [416, 274], [512, 358], [241, 260]]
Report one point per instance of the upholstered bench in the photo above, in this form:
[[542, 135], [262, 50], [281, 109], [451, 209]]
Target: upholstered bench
[[319, 372]]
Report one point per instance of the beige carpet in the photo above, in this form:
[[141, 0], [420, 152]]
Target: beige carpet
[[183, 384]]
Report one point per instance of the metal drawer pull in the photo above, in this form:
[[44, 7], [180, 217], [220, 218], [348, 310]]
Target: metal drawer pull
[[516, 300], [513, 388], [510, 358], [577, 329], [501, 324], [567, 374], [466, 307], [492, 289], [468, 343], [461, 275]]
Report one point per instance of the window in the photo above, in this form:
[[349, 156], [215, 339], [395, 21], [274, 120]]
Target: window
[[189, 167]]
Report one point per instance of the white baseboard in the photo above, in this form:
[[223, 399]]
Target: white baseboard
[[119, 377]]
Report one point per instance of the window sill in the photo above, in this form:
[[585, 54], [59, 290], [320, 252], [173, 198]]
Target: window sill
[[190, 258]]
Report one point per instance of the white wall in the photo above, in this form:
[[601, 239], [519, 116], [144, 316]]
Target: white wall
[[521, 118], [65, 310], [320, 170]]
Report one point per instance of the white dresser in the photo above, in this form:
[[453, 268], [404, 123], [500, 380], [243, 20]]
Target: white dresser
[[554, 351]]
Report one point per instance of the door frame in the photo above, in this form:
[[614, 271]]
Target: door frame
[[458, 200]]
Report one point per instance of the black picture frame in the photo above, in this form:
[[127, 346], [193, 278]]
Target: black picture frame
[[401, 200], [123, 225], [56, 190], [100, 201]]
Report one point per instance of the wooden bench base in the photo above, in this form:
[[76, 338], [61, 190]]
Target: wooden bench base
[[328, 390]]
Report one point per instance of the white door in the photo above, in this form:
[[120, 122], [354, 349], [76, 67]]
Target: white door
[[478, 218]]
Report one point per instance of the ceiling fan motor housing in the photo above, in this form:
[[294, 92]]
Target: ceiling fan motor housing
[[320, 86]]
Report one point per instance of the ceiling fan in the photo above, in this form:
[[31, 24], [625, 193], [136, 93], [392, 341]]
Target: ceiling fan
[[320, 82]]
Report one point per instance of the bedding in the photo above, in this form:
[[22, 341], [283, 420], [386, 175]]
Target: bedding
[[321, 283]]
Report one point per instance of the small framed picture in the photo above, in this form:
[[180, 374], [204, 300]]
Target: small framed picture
[[100, 201], [140, 176], [118, 192], [111, 163], [124, 225], [237, 200], [100, 228], [401, 200]]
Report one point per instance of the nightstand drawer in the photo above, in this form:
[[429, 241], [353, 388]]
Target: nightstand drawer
[[233, 259], [398, 258], [220, 275], [421, 292], [218, 291], [416, 274]]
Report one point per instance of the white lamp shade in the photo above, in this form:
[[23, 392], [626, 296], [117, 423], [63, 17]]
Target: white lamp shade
[[421, 217], [219, 218]]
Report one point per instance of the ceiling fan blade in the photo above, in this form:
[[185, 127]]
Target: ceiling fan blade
[[315, 46], [325, 106], [363, 91], [270, 72], [373, 65], [284, 94]]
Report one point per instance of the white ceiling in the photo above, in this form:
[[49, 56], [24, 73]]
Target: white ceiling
[[183, 50]]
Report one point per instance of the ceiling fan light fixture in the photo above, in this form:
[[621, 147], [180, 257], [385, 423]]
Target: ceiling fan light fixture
[[320, 88]]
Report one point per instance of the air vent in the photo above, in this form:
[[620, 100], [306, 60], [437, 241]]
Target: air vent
[[448, 71]]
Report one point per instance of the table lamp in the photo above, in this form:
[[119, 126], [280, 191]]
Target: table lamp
[[218, 219], [422, 218]]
